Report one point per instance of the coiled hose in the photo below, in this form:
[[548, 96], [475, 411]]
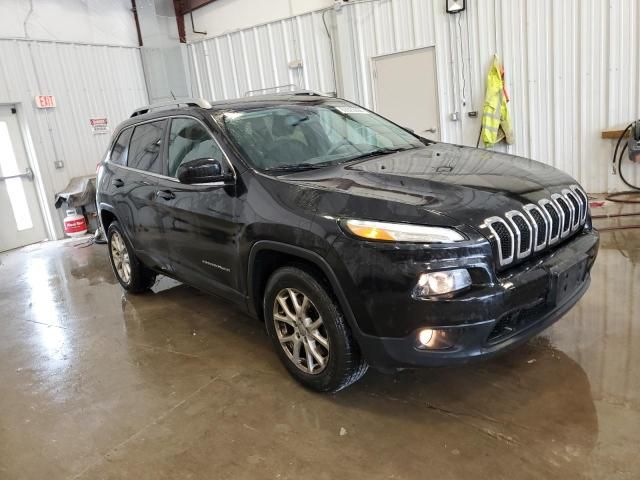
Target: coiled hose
[[617, 158]]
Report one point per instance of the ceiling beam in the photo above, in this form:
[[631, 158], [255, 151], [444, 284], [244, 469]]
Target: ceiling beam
[[187, 6]]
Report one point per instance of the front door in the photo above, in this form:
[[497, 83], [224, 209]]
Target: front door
[[199, 221], [406, 90], [20, 214]]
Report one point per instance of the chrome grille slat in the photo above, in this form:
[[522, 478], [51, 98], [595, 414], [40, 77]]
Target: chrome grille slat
[[540, 226], [554, 225], [575, 207], [584, 202], [522, 232], [491, 224], [563, 207], [537, 226]]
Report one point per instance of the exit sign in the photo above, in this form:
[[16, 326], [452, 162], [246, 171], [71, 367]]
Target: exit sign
[[45, 101]]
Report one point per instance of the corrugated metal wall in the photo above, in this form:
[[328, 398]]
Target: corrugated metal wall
[[230, 65], [87, 81], [570, 68]]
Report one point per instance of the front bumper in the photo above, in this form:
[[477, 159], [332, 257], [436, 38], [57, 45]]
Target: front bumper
[[490, 318]]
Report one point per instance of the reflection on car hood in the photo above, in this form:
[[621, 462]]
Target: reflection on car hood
[[463, 183]]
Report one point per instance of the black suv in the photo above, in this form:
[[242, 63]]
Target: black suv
[[356, 241]]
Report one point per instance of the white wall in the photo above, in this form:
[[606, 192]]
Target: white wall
[[63, 56], [90, 21], [88, 81], [570, 70], [232, 64], [223, 16]]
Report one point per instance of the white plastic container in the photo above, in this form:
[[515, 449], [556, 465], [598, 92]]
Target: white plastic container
[[74, 224]]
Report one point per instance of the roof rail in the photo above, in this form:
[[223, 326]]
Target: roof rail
[[289, 86], [188, 102], [293, 89]]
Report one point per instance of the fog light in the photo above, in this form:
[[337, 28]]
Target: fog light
[[440, 283], [425, 336], [437, 338]]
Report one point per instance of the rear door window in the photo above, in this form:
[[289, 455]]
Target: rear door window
[[121, 148], [146, 147]]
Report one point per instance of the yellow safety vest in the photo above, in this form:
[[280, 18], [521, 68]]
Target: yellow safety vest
[[496, 122]]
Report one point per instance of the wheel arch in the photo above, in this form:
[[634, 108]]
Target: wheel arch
[[107, 216], [266, 256]]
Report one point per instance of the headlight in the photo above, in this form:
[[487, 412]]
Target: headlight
[[402, 232], [441, 283]]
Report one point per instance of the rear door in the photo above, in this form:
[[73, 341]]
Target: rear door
[[199, 220], [145, 169]]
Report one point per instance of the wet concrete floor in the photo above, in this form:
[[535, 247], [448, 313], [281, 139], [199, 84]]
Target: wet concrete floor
[[97, 384]]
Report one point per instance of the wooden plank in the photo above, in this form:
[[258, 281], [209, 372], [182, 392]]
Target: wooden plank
[[614, 134]]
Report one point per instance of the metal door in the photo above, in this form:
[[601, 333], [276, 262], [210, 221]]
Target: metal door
[[406, 90], [20, 213]]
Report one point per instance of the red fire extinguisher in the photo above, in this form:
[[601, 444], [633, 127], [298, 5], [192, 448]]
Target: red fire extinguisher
[[74, 224]]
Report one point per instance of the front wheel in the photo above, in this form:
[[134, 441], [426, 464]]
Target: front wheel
[[309, 332], [130, 272]]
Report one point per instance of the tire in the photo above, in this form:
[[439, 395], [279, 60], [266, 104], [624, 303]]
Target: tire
[[130, 272], [320, 325]]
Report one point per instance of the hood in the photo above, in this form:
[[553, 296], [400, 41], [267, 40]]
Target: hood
[[437, 184]]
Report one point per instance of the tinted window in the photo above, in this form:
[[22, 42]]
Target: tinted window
[[120, 148], [145, 147], [321, 133], [190, 140]]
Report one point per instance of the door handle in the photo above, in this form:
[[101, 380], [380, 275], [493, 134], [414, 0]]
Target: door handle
[[431, 130], [28, 173], [166, 194], [118, 183]]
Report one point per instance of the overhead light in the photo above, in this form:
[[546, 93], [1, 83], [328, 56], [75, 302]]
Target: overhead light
[[456, 6]]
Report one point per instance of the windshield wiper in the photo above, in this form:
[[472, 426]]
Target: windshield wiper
[[299, 167], [295, 167], [380, 151]]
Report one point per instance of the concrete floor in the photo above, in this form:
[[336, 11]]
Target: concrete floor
[[97, 384]]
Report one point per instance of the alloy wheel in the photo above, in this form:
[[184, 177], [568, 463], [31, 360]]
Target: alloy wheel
[[300, 331], [120, 257]]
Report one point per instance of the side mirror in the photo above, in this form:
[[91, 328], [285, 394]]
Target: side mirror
[[203, 170]]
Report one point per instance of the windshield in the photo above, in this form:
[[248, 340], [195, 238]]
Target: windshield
[[297, 137]]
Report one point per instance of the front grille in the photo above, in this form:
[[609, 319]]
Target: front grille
[[517, 235]]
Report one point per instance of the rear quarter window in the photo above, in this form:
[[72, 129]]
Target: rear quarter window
[[121, 148], [146, 147]]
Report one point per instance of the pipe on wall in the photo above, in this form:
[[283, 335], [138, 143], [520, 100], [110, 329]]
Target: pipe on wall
[[134, 10]]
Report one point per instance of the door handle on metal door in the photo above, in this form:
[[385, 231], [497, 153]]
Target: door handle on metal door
[[118, 183], [431, 130], [28, 173], [166, 194]]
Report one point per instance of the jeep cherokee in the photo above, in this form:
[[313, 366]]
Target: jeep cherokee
[[356, 241]]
